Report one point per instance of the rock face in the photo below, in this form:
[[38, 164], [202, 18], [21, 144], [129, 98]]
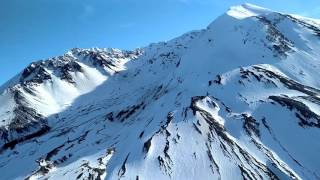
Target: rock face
[[239, 99]]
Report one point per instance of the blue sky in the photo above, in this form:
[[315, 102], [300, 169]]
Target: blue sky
[[37, 29]]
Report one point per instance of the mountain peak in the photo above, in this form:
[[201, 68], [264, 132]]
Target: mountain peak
[[247, 10]]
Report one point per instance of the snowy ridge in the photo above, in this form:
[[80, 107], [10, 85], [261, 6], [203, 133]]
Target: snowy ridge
[[247, 10], [47, 87], [239, 99]]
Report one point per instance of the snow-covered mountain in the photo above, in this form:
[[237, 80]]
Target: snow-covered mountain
[[237, 100]]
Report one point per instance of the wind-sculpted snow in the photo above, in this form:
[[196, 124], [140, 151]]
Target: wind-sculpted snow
[[237, 100]]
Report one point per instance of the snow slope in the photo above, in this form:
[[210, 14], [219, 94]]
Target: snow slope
[[239, 99]]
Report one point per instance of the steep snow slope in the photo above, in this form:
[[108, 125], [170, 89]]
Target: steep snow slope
[[239, 99]]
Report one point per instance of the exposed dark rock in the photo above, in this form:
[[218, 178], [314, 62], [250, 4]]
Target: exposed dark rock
[[35, 73], [100, 60], [306, 116], [316, 30], [14, 142], [193, 106], [53, 152], [214, 165], [251, 125], [109, 116], [65, 70], [166, 149], [281, 45], [147, 145], [125, 114], [141, 134], [218, 79], [197, 129], [123, 169], [291, 84], [61, 67]]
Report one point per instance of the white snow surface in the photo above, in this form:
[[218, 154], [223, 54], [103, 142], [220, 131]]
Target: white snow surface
[[237, 100]]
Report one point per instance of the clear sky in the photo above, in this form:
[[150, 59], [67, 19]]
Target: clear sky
[[36, 29]]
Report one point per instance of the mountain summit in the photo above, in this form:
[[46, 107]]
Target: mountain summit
[[239, 99]]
